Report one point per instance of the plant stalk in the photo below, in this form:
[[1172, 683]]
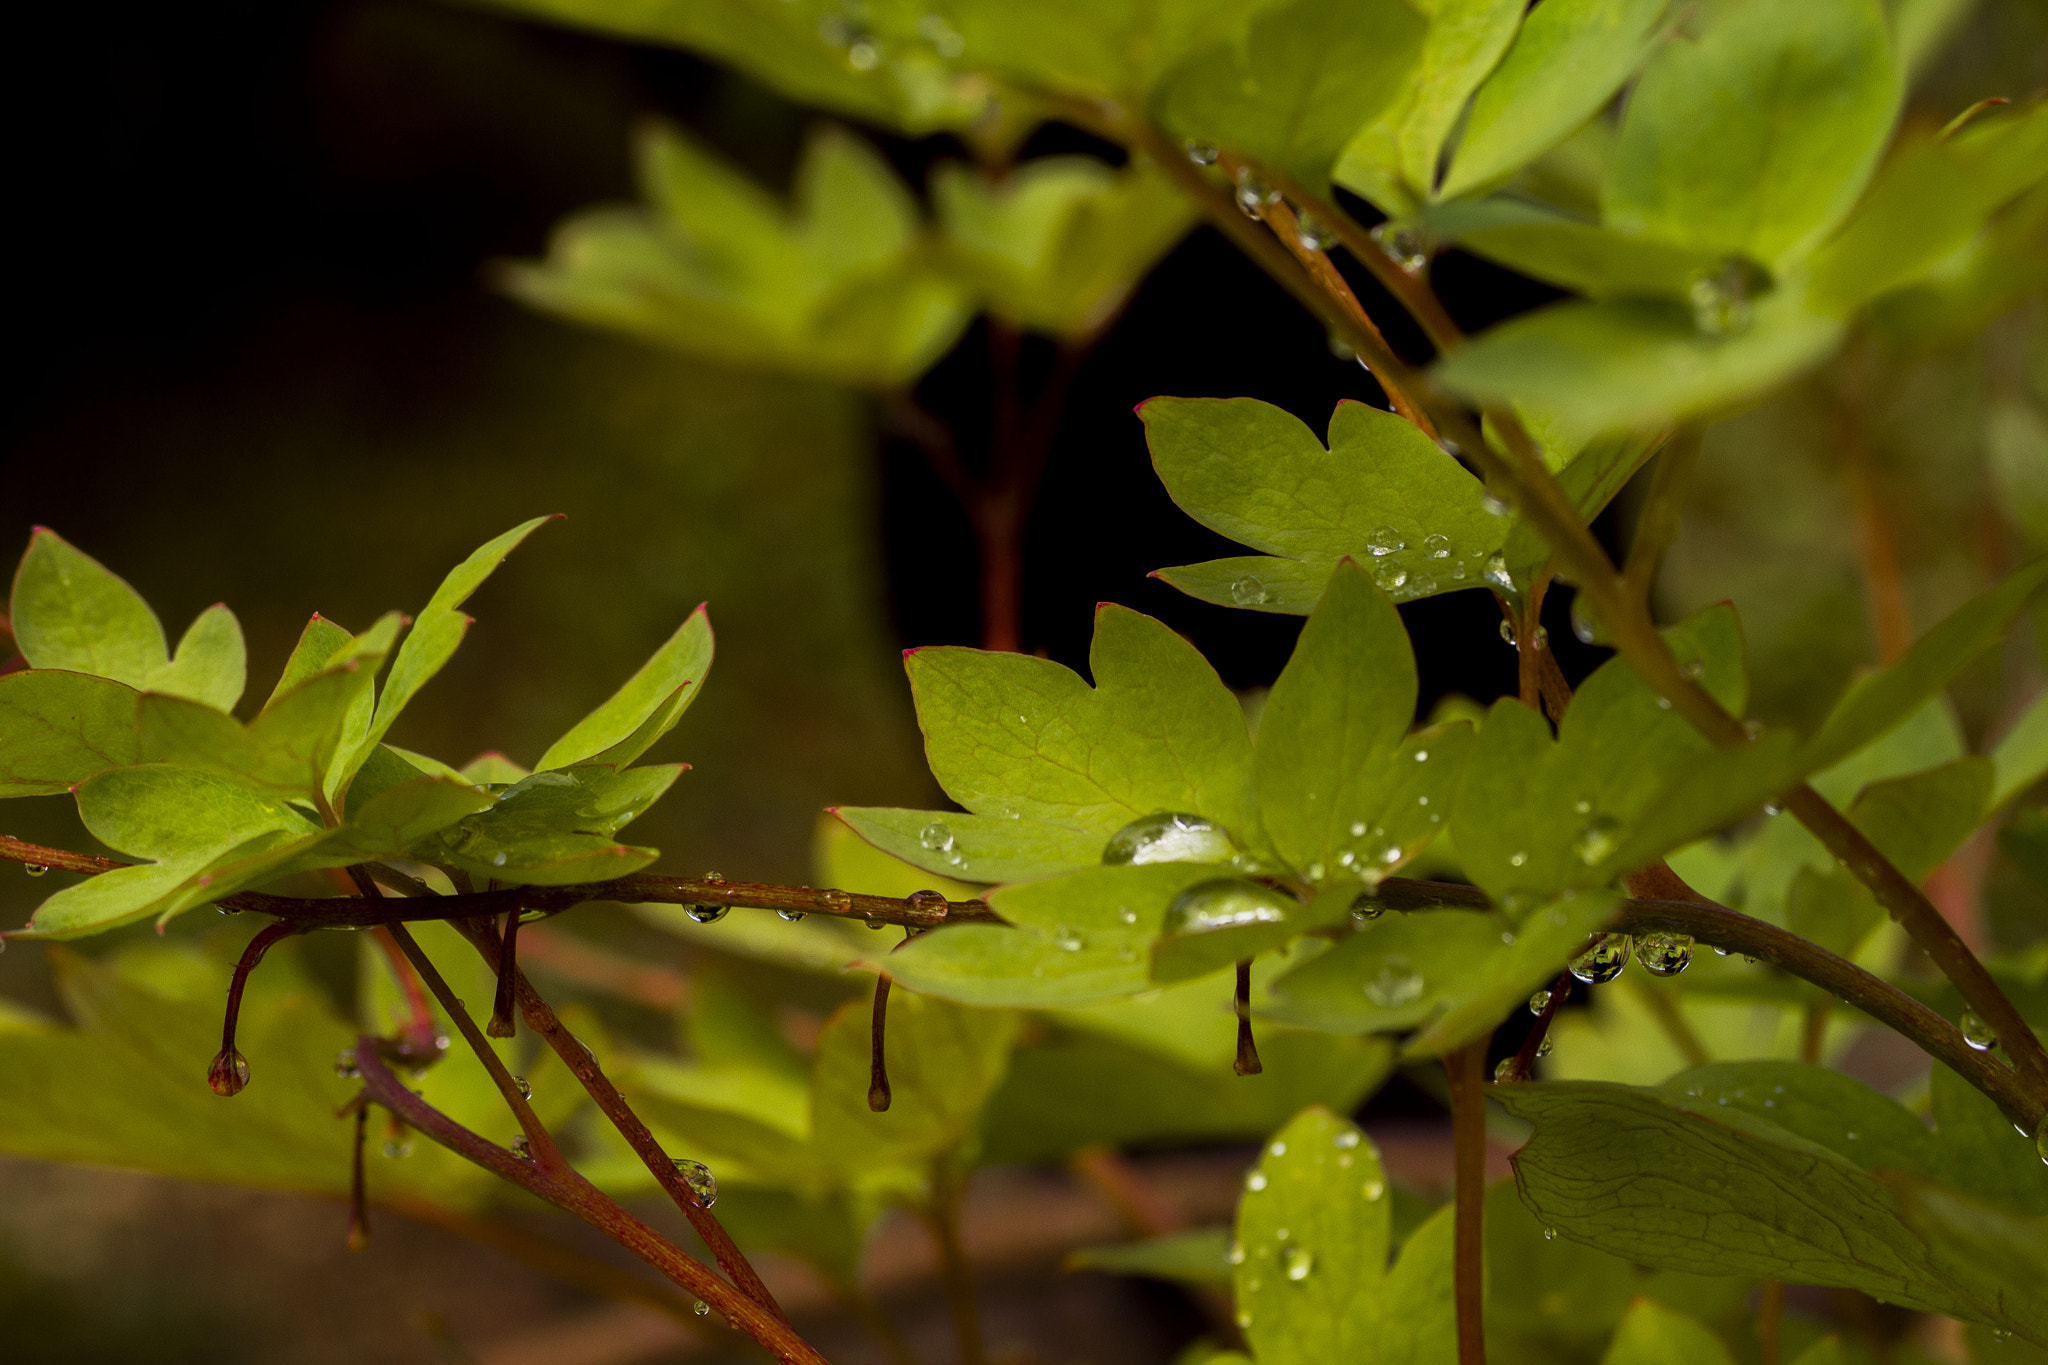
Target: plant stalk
[[1466, 1069]]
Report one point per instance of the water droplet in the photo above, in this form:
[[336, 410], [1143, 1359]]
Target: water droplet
[[523, 1086], [701, 1308], [703, 1185], [229, 1072], [1396, 983], [1550, 1234], [1497, 573], [1170, 837], [1345, 1140], [1422, 585], [1254, 194], [1604, 961], [1244, 1319], [1358, 829], [1976, 1032], [1372, 1190], [1296, 1263], [34, 869], [864, 55], [929, 904], [522, 1149], [1068, 940], [1255, 1182], [1386, 541], [1365, 909], [1236, 1256], [345, 1064], [1390, 574], [1422, 755], [1772, 808], [791, 915], [1404, 244], [1598, 840], [1543, 1048], [1585, 624], [1664, 954], [1539, 1002], [838, 902], [1247, 591], [937, 837], [1279, 1149], [1313, 234], [1720, 299], [706, 913], [1507, 631], [1517, 859], [713, 878], [2041, 1142], [1437, 546], [1226, 903], [1202, 154], [1503, 1070], [398, 1148], [873, 922]]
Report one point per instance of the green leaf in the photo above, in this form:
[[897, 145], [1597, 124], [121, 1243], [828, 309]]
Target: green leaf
[[205, 836], [1292, 93], [69, 612], [2005, 1254], [1078, 938], [560, 827], [1058, 243], [211, 664], [58, 728], [1591, 478], [944, 1062], [1879, 701], [841, 285], [397, 819], [1670, 1180], [1929, 200], [317, 644], [2016, 453], [1918, 820], [1343, 789], [1010, 735], [1314, 1284], [2020, 757], [1257, 474], [975, 848], [1826, 1351], [1291, 587], [1565, 65], [1636, 363], [1755, 133], [1978, 1152], [1394, 160], [645, 708], [489, 769], [1547, 1299], [1654, 1335], [1200, 1256], [845, 860], [1453, 974], [1824, 1107], [1831, 909], [1595, 261]]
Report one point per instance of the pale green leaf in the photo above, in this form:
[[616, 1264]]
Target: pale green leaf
[[559, 827], [1566, 63], [1200, 1256], [2016, 455], [317, 644], [69, 612], [1654, 1335], [1918, 820], [645, 708], [1754, 129], [1290, 587], [58, 728], [974, 848], [211, 665], [1292, 93], [2021, 755], [1592, 260], [288, 748]]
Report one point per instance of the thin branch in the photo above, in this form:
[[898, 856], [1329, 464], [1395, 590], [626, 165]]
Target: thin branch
[[502, 1024], [572, 1192], [1770, 1322], [582, 1064], [1466, 1069], [1524, 1065], [1657, 527], [879, 1094], [1247, 1062], [229, 1071]]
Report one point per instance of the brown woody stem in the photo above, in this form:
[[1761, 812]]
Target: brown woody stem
[[1466, 1069], [228, 1072], [878, 1059], [1247, 1063], [502, 1024]]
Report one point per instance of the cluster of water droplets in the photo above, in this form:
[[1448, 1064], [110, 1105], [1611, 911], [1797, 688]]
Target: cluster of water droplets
[[1254, 195], [1436, 563], [1604, 959], [1721, 298]]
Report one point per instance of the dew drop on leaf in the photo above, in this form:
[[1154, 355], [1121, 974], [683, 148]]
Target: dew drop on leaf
[[1390, 574], [1169, 837], [1497, 573], [698, 1177], [1976, 1032], [1296, 1263], [1386, 541], [1236, 1256], [1345, 1140], [1225, 903], [1550, 1234], [1068, 940], [1604, 961], [1255, 1182], [1664, 954], [1372, 1190], [1247, 591], [1597, 841], [1437, 546], [936, 837], [1422, 585]]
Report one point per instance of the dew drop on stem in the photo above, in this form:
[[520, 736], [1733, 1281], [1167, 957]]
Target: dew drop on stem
[[1664, 954], [703, 1184], [706, 913], [1604, 960], [1976, 1032]]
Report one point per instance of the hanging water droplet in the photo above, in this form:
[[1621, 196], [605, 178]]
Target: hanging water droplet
[[1550, 1234], [1404, 244], [706, 913], [791, 915], [936, 837], [1068, 940], [522, 1149], [1585, 624], [1255, 1182], [929, 904], [1236, 1254], [1437, 546], [703, 1185], [1202, 154], [1497, 573], [398, 1148], [523, 1086], [1396, 983], [1253, 193], [1390, 574], [1664, 954], [1365, 909], [1543, 1048], [1386, 541], [1507, 631], [229, 1072], [1598, 840], [34, 869], [1225, 903], [1976, 1032], [1720, 299], [1313, 234], [1345, 1140], [873, 922], [701, 1308], [1296, 1263], [1539, 1002], [1503, 1070], [1247, 591], [1170, 837], [1606, 959], [345, 1064]]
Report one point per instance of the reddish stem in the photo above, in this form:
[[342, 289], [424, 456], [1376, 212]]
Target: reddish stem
[[1247, 1063], [228, 1072]]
